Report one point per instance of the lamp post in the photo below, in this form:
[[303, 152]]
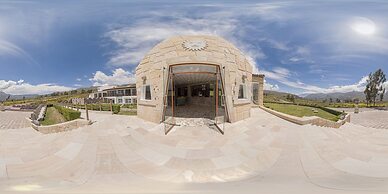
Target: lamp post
[[111, 106], [87, 112]]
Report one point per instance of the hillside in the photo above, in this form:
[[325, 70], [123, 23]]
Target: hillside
[[342, 96], [4, 96], [274, 96]]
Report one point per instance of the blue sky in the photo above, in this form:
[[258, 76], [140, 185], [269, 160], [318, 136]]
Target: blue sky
[[301, 46]]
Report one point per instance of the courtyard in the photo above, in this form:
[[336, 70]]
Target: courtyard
[[14, 120], [125, 154]]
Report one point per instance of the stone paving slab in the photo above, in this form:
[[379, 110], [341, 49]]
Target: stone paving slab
[[14, 120], [124, 154], [373, 118]]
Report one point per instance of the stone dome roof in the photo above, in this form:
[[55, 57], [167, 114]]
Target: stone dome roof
[[194, 49]]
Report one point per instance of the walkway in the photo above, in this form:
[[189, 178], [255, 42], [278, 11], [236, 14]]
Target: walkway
[[14, 119], [124, 154], [374, 118]]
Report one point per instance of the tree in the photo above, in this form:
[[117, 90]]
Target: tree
[[382, 95], [368, 89], [375, 87]]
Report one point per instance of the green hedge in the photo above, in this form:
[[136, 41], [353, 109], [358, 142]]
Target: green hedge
[[334, 112], [68, 113]]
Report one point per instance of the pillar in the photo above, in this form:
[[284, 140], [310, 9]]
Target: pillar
[[259, 79], [261, 89]]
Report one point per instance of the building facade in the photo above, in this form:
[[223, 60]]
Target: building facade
[[118, 95], [195, 76]]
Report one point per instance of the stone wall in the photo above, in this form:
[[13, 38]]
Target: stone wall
[[259, 78], [153, 71], [314, 120], [61, 127]]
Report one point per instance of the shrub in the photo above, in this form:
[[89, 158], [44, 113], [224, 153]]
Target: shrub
[[68, 113], [104, 107], [116, 108]]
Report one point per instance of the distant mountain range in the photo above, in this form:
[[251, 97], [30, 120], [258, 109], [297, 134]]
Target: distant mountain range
[[4, 96], [341, 96], [281, 96]]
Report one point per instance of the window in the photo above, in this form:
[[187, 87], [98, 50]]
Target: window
[[146, 92], [127, 101], [242, 91], [119, 100], [127, 92], [133, 92]]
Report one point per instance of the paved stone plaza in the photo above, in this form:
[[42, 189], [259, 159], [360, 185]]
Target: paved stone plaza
[[14, 120], [373, 118], [124, 154]]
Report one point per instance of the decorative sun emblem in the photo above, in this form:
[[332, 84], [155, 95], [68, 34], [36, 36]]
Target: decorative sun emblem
[[195, 45]]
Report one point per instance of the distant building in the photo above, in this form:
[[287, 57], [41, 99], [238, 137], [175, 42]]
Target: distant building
[[98, 94], [80, 101], [118, 95]]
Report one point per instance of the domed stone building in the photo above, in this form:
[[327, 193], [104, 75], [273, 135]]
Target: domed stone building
[[196, 77]]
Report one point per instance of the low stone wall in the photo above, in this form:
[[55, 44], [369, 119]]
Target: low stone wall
[[128, 109], [60, 127], [313, 120]]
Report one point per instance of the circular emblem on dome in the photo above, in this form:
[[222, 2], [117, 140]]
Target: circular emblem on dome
[[195, 45]]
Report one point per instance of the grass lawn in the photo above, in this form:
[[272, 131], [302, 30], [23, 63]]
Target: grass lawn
[[301, 111], [127, 113], [52, 117]]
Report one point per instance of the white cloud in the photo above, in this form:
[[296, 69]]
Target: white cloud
[[277, 44], [10, 49], [268, 86], [283, 72], [119, 77], [283, 76], [7, 48], [135, 40], [20, 87], [79, 79]]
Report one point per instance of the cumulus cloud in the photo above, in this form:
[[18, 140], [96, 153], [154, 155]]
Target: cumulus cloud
[[20, 87], [268, 86], [119, 77]]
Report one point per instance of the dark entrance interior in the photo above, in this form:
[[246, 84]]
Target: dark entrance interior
[[194, 91]]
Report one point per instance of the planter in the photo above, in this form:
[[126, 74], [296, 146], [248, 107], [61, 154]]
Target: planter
[[61, 127], [314, 120]]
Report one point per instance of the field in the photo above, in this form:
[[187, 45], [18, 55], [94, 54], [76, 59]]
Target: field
[[280, 97], [300, 111]]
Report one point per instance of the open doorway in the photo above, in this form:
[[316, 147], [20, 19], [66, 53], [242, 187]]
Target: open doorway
[[195, 96]]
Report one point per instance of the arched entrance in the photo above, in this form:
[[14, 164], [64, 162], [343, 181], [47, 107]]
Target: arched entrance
[[194, 95]]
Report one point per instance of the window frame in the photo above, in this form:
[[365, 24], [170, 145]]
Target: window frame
[[143, 92], [244, 92]]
